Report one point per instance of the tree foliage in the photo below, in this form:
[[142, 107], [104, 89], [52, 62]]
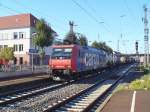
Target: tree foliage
[[102, 45], [44, 36], [83, 40], [71, 38], [7, 53]]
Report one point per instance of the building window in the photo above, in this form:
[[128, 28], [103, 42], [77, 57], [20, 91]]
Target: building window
[[15, 60], [21, 60], [15, 35], [15, 47], [21, 35], [5, 46], [1, 36], [20, 47], [6, 36]]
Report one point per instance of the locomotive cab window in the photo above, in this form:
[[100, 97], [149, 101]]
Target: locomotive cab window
[[63, 53]]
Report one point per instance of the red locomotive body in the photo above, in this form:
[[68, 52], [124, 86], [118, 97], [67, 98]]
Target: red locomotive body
[[63, 59], [74, 60]]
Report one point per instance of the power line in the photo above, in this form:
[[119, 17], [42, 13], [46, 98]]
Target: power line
[[89, 14], [6, 7], [94, 11], [131, 14], [89, 6], [129, 10]]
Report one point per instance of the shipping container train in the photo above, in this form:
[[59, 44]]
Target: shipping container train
[[70, 61]]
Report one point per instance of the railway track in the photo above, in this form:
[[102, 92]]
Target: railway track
[[84, 100], [20, 94], [27, 92], [44, 98]]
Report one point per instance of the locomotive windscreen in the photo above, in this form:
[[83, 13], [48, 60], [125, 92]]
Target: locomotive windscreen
[[61, 53]]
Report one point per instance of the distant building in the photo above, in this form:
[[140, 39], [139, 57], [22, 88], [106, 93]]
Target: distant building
[[17, 31]]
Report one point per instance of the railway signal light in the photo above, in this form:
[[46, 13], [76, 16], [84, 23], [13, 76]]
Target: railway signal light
[[136, 46]]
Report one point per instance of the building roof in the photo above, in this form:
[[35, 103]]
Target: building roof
[[17, 21]]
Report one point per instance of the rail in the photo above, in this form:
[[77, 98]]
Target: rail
[[85, 99]]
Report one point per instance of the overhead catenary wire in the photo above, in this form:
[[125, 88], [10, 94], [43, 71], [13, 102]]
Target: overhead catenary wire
[[6, 7], [129, 10], [94, 11], [90, 15], [134, 19]]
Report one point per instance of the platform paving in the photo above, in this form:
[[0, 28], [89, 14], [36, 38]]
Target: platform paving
[[123, 101], [21, 80], [7, 75]]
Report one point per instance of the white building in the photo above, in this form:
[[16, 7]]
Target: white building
[[17, 32]]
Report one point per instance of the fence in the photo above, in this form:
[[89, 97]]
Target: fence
[[19, 68]]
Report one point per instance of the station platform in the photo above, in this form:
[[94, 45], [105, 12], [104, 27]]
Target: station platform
[[13, 78], [128, 101], [18, 74]]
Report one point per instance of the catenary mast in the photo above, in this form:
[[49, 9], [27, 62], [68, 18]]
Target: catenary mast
[[146, 39]]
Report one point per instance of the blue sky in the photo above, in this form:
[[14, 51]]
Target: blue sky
[[109, 18]]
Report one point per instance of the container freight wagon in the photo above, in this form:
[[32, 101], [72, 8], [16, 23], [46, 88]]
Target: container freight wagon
[[116, 58], [74, 60]]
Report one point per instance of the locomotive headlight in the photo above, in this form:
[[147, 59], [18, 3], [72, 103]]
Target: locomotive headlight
[[68, 66], [52, 66]]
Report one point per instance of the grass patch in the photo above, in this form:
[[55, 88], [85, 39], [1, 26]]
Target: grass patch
[[145, 69], [122, 87], [140, 84]]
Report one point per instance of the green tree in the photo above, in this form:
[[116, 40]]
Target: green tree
[[97, 45], [7, 53], [71, 38], [44, 37], [83, 40], [102, 45]]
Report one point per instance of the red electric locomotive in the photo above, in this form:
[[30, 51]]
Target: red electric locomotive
[[69, 61]]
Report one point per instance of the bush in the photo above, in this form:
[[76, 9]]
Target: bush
[[146, 70], [142, 68], [142, 84]]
